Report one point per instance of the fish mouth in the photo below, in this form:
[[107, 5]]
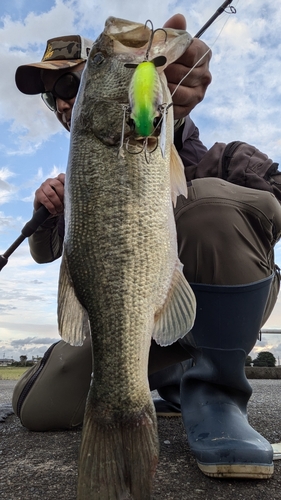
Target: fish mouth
[[133, 143], [136, 144]]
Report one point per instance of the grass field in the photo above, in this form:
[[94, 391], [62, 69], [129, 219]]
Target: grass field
[[12, 372]]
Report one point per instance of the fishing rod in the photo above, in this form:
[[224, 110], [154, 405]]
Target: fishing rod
[[30, 227], [218, 12]]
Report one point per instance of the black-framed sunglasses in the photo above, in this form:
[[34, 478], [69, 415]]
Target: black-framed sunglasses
[[65, 88]]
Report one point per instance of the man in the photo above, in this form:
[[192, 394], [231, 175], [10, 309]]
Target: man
[[226, 235]]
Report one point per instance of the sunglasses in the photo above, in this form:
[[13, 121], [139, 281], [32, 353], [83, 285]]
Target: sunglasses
[[65, 88]]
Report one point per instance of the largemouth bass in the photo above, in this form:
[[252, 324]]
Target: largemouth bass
[[120, 265]]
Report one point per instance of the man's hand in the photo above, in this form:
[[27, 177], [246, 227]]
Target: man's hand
[[193, 88], [51, 195]]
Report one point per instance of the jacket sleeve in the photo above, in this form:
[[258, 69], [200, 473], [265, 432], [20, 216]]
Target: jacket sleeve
[[47, 242], [188, 143]]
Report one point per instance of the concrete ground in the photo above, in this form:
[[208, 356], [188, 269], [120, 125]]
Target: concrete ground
[[37, 466]]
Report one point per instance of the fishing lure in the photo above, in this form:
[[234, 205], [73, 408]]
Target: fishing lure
[[145, 95], [145, 98], [145, 92]]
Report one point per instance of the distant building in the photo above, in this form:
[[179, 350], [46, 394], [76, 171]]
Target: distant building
[[36, 359], [6, 362]]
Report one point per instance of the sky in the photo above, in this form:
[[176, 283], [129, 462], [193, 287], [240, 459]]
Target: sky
[[242, 103]]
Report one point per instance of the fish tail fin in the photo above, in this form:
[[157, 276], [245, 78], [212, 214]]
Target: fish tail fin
[[118, 459]]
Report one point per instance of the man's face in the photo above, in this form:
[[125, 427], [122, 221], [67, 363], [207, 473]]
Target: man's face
[[64, 107]]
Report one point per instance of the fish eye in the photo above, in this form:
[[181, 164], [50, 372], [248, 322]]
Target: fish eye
[[98, 59]]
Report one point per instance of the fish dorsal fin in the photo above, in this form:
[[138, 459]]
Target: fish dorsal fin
[[178, 180], [176, 318], [71, 314]]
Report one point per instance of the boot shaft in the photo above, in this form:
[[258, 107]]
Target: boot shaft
[[228, 317]]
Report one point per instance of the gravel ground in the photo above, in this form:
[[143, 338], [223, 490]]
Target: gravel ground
[[37, 466]]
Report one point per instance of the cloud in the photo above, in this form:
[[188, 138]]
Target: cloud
[[37, 328], [5, 309], [34, 341], [28, 295], [19, 294], [91, 16], [30, 122], [7, 190], [15, 352], [5, 174], [6, 221]]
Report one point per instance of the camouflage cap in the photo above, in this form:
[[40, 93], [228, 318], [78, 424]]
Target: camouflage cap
[[61, 52]]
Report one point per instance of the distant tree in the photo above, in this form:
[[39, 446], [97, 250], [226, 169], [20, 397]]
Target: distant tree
[[248, 361], [23, 360], [265, 358]]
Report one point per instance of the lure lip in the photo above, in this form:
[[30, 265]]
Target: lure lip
[[157, 61]]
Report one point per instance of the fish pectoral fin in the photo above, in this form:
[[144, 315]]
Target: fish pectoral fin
[[72, 317], [178, 180], [176, 318]]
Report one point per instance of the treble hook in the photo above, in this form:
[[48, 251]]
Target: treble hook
[[143, 149], [151, 37], [133, 152]]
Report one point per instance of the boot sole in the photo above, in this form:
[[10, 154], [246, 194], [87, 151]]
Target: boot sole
[[168, 414], [237, 471], [165, 408]]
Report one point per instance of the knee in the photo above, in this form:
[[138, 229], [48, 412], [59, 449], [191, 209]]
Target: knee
[[226, 234]]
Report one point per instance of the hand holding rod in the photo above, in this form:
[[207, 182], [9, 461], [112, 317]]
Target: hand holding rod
[[30, 227]]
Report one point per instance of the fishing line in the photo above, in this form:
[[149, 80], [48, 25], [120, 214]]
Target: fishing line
[[188, 73], [207, 51]]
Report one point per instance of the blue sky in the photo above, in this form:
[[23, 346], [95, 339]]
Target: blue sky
[[242, 103]]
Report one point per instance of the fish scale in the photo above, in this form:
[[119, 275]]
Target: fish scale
[[120, 268]]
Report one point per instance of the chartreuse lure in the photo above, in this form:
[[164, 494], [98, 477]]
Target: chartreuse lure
[[145, 98]]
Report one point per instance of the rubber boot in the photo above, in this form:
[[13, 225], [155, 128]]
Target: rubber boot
[[167, 383], [215, 392]]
